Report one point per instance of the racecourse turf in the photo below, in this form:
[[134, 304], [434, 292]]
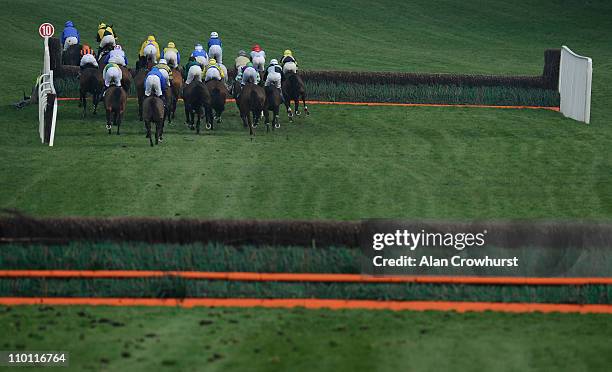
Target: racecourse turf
[[146, 339]]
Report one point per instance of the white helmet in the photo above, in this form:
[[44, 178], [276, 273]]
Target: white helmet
[[118, 47], [274, 62], [163, 62], [214, 34], [199, 47]]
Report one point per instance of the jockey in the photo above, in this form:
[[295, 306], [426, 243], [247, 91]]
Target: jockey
[[156, 83], [147, 46], [241, 60], [172, 55], [117, 56], [70, 35], [200, 54], [249, 74], [273, 75], [258, 57], [214, 71], [112, 75], [88, 58], [193, 69], [289, 63], [106, 36], [165, 70], [215, 47]]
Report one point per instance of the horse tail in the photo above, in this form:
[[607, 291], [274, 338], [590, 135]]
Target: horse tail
[[116, 99]]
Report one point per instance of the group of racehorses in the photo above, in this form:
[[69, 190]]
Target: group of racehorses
[[202, 100]]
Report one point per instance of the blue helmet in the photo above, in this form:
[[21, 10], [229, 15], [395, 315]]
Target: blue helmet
[[69, 24]]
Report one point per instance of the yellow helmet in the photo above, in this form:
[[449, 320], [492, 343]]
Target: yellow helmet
[[102, 25], [287, 53], [212, 61], [171, 44], [151, 38]]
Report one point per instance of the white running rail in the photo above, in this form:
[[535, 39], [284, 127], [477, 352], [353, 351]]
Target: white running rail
[[45, 86]]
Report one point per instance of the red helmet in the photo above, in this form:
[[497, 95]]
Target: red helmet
[[256, 48]]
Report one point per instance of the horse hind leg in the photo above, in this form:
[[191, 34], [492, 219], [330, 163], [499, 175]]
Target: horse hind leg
[[118, 121], [148, 126], [108, 121], [83, 104], [297, 106], [304, 102]]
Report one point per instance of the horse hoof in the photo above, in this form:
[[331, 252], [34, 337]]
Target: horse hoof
[[277, 126], [297, 113], [208, 126]]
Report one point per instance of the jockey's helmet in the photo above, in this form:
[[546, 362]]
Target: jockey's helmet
[[249, 64], [69, 24], [151, 38], [118, 47], [214, 34], [256, 48], [171, 44], [212, 61], [162, 62], [287, 53], [274, 62], [198, 47], [242, 53], [102, 26]]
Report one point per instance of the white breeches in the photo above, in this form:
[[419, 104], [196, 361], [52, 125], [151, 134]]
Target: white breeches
[[259, 63], [216, 52], [202, 60], [212, 74], [88, 59], [150, 52], [171, 58], [166, 75], [153, 85], [107, 40], [72, 40], [113, 76], [274, 79], [117, 59], [250, 76], [289, 66], [194, 73]]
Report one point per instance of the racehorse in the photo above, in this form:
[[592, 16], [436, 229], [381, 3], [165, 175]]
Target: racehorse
[[72, 55], [218, 93], [114, 101], [293, 90], [197, 100], [252, 101], [177, 89], [126, 79], [90, 81], [236, 88], [273, 102], [139, 81], [153, 108]]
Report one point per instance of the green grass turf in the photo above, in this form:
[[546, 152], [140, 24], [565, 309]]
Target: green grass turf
[[342, 163], [145, 339]]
